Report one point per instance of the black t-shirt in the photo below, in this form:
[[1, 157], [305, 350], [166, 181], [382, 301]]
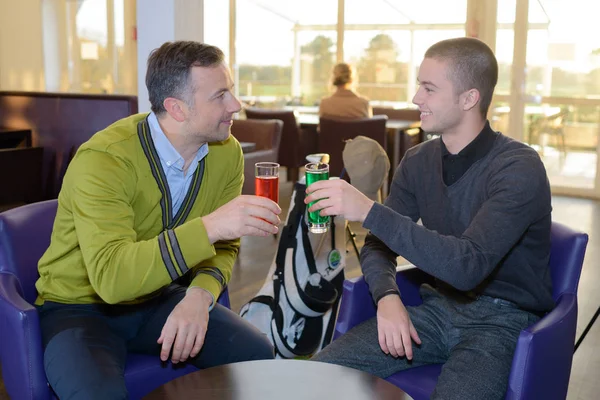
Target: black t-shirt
[[455, 165]]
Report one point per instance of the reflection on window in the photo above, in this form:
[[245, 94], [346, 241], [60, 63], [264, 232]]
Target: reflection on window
[[281, 58], [381, 60], [504, 54], [563, 75], [566, 137], [89, 54], [317, 57], [100, 56], [216, 24], [563, 58]]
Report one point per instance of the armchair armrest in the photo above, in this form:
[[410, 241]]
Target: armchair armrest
[[21, 344], [409, 279], [541, 365], [224, 298], [358, 306]]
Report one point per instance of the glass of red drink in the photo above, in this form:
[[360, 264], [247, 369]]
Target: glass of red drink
[[266, 180]]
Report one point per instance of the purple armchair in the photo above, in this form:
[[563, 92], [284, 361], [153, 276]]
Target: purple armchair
[[24, 236], [542, 362]]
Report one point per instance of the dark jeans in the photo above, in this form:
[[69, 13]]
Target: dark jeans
[[475, 340], [85, 345]]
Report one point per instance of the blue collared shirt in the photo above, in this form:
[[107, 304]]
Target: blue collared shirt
[[172, 163]]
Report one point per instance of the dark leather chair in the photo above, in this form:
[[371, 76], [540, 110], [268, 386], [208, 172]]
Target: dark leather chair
[[295, 143], [335, 132], [542, 361], [409, 137], [21, 176], [267, 136], [24, 236], [58, 121], [403, 114]]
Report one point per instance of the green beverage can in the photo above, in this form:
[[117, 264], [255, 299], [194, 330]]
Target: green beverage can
[[317, 172]]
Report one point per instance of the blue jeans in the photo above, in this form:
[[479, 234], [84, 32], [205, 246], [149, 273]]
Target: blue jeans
[[474, 339], [86, 345]]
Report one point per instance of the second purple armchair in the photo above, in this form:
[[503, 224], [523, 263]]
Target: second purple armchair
[[542, 362]]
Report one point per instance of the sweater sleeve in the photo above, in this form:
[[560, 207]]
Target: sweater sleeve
[[378, 261], [121, 268], [214, 273], [517, 194]]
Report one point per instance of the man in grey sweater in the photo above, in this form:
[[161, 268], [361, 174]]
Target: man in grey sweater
[[484, 203]]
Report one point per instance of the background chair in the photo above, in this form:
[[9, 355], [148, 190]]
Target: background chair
[[24, 236], [295, 143], [403, 114], [409, 137], [266, 135], [58, 121], [542, 362], [335, 132], [552, 125]]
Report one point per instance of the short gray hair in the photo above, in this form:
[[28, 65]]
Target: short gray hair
[[169, 70]]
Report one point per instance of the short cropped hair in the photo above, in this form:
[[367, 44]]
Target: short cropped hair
[[472, 65], [169, 69]]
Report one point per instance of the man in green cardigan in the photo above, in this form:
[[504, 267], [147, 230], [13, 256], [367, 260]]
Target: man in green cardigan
[[147, 232]]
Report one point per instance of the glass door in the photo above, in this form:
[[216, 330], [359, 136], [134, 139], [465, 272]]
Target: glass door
[[549, 87]]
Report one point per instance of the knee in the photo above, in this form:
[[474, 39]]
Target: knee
[[325, 355], [261, 349], [255, 347]]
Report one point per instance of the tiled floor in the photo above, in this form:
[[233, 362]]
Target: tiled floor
[[256, 255]]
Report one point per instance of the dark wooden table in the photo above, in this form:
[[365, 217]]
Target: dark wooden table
[[278, 379], [248, 147], [13, 137]]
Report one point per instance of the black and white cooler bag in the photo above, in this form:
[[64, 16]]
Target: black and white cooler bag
[[297, 306]]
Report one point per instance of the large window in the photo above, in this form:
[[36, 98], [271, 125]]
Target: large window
[[216, 24], [89, 46], [286, 49], [556, 108], [386, 41], [563, 72], [282, 53], [382, 59]]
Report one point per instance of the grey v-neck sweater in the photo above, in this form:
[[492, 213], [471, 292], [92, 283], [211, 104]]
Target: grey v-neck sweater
[[488, 233]]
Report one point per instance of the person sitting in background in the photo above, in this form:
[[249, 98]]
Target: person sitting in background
[[146, 235], [345, 102]]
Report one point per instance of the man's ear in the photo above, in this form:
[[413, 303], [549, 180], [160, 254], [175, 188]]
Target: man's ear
[[470, 99], [175, 108]]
